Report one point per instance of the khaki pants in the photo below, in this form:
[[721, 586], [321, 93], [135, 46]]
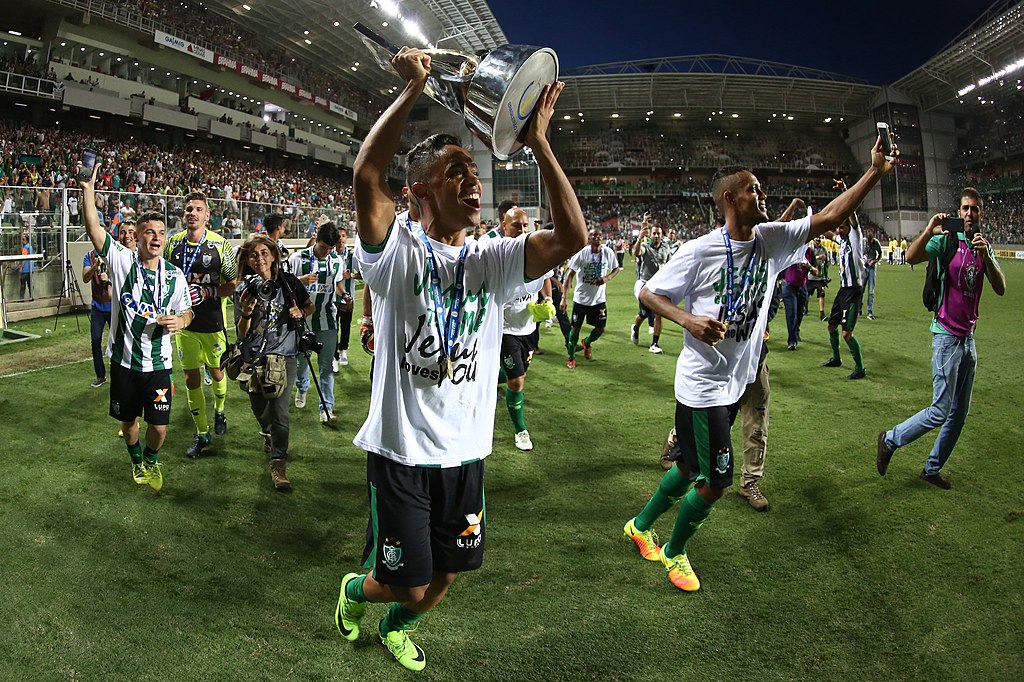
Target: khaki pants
[[754, 407]]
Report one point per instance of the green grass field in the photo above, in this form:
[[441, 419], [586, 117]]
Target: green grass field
[[849, 576]]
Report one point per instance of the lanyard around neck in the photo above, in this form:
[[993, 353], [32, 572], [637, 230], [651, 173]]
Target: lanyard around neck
[[188, 261], [731, 305], [155, 292], [450, 329]]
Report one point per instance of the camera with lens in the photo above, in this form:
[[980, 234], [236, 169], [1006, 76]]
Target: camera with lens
[[264, 289], [308, 343]]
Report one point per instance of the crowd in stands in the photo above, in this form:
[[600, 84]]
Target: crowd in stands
[[662, 186], [34, 162], [997, 132], [683, 145], [197, 23], [25, 66]]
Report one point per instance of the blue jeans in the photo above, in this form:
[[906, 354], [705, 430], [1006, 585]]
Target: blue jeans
[[97, 319], [869, 286], [795, 301], [954, 360], [328, 337]]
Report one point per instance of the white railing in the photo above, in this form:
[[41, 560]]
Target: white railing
[[29, 85]]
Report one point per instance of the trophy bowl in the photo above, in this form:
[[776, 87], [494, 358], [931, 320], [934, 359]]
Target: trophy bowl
[[495, 93]]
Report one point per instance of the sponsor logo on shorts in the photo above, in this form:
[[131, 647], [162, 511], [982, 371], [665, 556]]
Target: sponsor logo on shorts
[[160, 395], [471, 538], [723, 461], [392, 553], [115, 407]]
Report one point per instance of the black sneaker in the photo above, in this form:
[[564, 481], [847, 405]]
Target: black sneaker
[[220, 423], [936, 479], [832, 362], [792, 346], [857, 374], [198, 445], [883, 456]]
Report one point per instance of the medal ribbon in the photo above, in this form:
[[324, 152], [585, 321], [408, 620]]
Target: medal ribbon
[[450, 330], [731, 306], [157, 295], [188, 262]]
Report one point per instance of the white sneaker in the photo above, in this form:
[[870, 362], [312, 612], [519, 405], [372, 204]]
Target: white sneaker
[[650, 330], [327, 418], [300, 399], [549, 323], [523, 441], [656, 349], [634, 335], [334, 365], [343, 359]]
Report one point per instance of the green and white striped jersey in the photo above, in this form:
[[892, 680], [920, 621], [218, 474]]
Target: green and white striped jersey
[[139, 296], [329, 271]]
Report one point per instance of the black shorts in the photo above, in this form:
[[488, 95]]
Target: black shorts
[[595, 315], [705, 448], [516, 352], [423, 520], [816, 286], [134, 394], [846, 308]]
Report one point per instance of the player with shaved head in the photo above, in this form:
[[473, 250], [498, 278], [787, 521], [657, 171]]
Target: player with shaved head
[[726, 279]]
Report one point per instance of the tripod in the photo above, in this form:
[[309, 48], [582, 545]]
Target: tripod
[[305, 342], [68, 289]]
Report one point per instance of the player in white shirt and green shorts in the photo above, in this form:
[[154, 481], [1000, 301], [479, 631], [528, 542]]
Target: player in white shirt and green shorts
[[150, 303], [726, 278], [437, 313]]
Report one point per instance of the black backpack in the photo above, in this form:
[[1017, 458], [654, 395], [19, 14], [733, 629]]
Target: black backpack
[[936, 273]]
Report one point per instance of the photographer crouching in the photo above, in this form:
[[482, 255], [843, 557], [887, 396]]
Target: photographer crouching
[[268, 306]]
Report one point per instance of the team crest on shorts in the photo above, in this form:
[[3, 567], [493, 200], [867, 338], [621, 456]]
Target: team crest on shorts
[[392, 551], [723, 461]]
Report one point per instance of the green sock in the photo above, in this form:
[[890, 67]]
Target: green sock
[[135, 452], [672, 487], [354, 589], [150, 455], [692, 512], [514, 402], [220, 393], [833, 339], [858, 359], [398, 618], [197, 404], [574, 338], [595, 334]]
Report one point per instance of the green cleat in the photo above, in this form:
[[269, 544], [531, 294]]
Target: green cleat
[[403, 649], [349, 612], [154, 475], [139, 473], [646, 541]]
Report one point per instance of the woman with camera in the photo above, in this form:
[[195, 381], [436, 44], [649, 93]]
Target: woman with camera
[[268, 304]]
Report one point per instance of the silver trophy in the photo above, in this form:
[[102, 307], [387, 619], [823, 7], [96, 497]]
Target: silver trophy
[[495, 92]]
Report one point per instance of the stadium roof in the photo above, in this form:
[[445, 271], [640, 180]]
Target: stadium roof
[[702, 83], [466, 25], [992, 43]]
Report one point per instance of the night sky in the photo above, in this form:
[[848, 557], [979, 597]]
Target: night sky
[[877, 41]]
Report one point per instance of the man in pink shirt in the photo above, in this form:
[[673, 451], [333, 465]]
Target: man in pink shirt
[[954, 357]]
